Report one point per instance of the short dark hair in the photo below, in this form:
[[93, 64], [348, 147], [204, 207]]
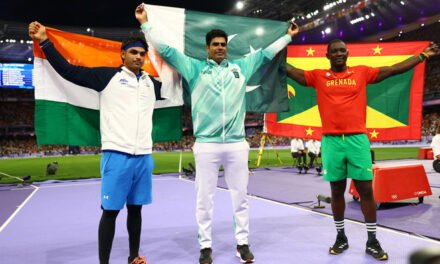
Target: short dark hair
[[215, 33], [133, 40], [333, 41]]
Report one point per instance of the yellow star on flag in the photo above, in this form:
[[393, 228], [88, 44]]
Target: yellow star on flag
[[374, 134], [377, 50], [290, 91], [310, 52], [309, 131]]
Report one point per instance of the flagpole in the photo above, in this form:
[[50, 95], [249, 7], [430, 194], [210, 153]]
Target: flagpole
[[180, 160], [260, 152], [276, 151]]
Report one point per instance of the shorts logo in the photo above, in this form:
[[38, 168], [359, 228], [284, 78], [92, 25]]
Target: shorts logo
[[105, 197]]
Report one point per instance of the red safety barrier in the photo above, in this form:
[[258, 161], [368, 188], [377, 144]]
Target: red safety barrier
[[393, 182], [430, 154], [423, 152]]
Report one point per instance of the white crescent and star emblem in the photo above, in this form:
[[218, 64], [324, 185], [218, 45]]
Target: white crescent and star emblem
[[249, 88]]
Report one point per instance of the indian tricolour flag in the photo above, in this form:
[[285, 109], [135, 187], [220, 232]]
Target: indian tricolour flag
[[185, 30], [68, 114], [394, 106]]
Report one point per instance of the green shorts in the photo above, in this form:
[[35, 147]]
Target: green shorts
[[346, 156]]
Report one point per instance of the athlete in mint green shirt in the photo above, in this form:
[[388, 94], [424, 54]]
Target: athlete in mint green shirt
[[217, 87]]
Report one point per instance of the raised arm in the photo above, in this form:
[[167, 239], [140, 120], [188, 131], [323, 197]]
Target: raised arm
[[179, 61], [93, 78], [401, 67], [251, 63], [296, 74], [282, 42]]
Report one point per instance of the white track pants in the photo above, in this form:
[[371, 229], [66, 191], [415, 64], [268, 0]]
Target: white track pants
[[234, 158]]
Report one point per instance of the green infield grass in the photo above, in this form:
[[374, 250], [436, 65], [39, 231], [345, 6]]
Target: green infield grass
[[87, 166]]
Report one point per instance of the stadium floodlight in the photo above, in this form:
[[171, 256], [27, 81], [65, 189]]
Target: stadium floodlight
[[239, 5], [91, 31], [328, 30], [332, 4], [357, 20], [402, 3]]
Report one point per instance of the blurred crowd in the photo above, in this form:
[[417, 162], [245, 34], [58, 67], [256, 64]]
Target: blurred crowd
[[26, 146], [429, 125], [432, 74]]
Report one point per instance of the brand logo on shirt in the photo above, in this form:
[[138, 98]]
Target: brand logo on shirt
[[339, 82], [106, 197], [123, 81], [236, 74]]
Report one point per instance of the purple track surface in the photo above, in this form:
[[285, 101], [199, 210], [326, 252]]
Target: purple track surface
[[58, 224], [287, 186]]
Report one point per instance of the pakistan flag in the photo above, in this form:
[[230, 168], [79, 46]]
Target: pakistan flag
[[185, 30]]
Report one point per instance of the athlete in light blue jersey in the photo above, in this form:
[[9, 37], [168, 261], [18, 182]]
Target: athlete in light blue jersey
[[217, 87]]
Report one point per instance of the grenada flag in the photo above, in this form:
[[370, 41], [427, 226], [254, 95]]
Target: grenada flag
[[394, 106], [68, 114]]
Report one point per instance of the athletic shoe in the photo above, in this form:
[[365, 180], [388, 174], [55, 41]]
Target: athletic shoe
[[340, 245], [245, 254], [138, 260], [205, 256], [374, 249], [306, 168]]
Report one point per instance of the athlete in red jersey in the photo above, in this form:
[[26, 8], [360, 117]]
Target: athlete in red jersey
[[341, 96]]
